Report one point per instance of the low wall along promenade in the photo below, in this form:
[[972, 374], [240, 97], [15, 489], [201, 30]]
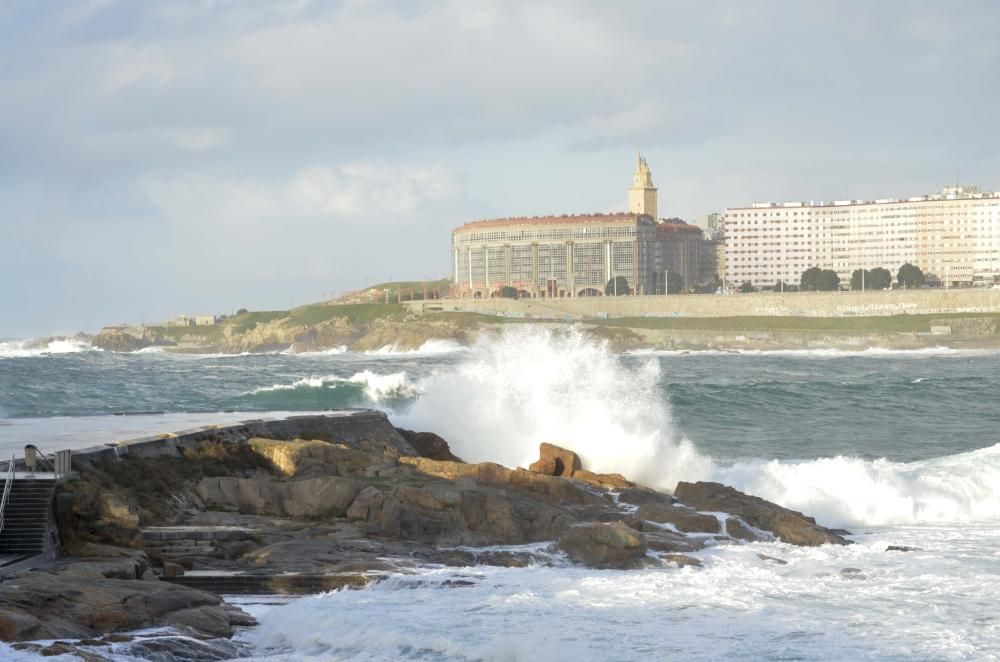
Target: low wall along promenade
[[758, 304]]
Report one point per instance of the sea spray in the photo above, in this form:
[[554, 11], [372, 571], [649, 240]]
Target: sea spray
[[532, 384], [849, 491]]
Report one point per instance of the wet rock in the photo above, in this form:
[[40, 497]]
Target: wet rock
[[684, 519], [561, 461], [605, 481], [459, 513], [736, 529], [902, 548], [305, 497], [41, 605], [683, 560], [772, 559], [490, 473], [605, 546], [668, 541], [639, 495], [429, 445], [790, 526]]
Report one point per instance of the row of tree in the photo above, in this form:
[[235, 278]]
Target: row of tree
[[827, 280]]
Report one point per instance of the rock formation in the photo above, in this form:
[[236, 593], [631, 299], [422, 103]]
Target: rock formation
[[342, 511]]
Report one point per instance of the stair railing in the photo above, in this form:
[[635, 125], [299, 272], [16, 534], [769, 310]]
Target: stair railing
[[6, 491]]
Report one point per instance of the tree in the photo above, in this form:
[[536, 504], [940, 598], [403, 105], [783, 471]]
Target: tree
[[508, 292], [747, 287], [617, 286], [878, 279], [242, 311], [861, 279], [821, 280], [675, 282], [910, 276]]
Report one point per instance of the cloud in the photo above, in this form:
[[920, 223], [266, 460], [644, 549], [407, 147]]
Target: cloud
[[375, 192], [369, 189]]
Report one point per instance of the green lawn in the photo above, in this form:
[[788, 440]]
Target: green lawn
[[887, 324], [356, 313]]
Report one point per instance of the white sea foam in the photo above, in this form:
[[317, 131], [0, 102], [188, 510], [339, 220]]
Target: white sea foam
[[887, 605], [27, 348], [532, 384], [150, 350], [868, 352], [849, 491], [333, 351], [431, 347], [376, 387]]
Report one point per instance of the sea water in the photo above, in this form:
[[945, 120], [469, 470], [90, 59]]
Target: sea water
[[902, 448]]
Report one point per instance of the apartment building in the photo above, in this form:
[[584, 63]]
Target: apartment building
[[953, 236]]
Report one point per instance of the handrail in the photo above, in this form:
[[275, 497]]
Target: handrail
[[6, 491]]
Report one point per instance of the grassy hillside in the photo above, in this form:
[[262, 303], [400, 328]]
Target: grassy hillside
[[884, 324]]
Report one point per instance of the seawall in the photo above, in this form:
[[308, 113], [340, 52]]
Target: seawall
[[767, 304]]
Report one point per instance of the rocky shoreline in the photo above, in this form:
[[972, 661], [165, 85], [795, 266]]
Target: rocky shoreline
[[151, 538], [412, 334]]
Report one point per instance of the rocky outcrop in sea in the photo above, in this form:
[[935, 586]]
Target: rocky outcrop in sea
[[152, 539]]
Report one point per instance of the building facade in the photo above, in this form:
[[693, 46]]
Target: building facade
[[576, 255], [552, 256], [953, 236]]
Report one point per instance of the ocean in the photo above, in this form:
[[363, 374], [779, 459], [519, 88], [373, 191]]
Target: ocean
[[899, 447]]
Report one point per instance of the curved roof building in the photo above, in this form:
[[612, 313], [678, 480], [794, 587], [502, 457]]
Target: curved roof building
[[563, 256]]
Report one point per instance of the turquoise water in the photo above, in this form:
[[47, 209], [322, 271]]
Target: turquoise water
[[902, 406], [902, 448]]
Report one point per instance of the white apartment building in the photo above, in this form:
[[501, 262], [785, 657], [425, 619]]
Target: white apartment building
[[953, 236]]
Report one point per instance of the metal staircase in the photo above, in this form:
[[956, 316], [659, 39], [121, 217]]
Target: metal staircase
[[25, 515]]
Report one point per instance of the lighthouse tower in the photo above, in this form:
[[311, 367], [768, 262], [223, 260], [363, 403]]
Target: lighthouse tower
[[642, 194]]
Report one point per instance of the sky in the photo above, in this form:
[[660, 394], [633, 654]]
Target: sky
[[207, 155]]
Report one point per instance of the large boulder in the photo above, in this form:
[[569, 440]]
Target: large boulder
[[463, 512], [683, 519], [490, 473], [788, 525], [555, 461], [42, 605], [323, 496], [599, 545], [429, 445]]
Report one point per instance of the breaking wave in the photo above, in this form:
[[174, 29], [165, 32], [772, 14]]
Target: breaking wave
[[376, 387], [27, 348], [429, 348], [531, 384], [868, 352]]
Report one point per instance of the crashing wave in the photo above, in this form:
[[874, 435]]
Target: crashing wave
[[376, 387], [531, 384], [28, 348]]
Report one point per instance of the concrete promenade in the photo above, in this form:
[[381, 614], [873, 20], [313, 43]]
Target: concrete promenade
[[767, 304]]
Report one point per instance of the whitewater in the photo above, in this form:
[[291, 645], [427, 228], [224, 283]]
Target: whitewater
[[901, 448]]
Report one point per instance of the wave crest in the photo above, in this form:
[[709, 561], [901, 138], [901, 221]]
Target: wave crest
[[376, 387]]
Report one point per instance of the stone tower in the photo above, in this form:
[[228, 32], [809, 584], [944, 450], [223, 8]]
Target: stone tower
[[642, 195]]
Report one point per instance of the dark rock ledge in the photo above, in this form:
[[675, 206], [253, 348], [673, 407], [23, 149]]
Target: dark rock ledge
[[151, 539]]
